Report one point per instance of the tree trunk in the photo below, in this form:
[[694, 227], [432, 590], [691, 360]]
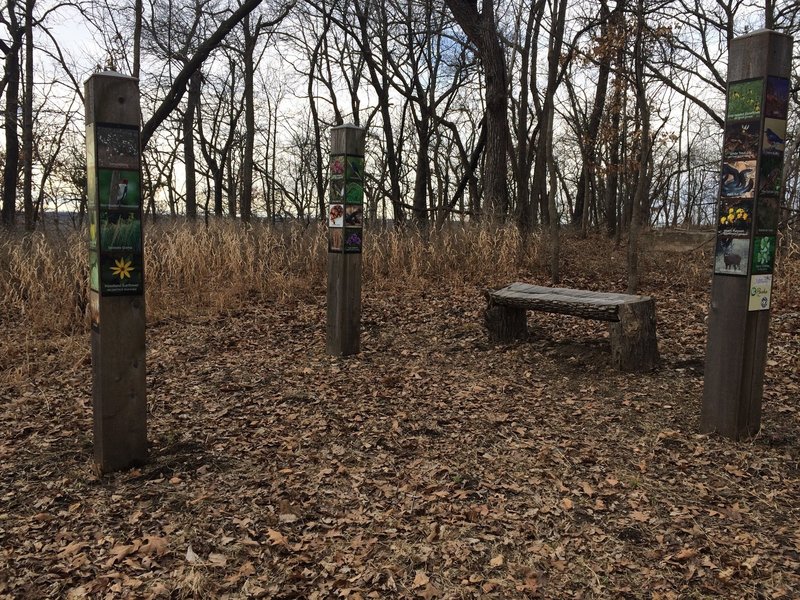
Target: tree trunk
[[481, 30], [642, 186], [138, 11], [420, 202], [27, 122], [189, 159], [585, 191], [11, 167]]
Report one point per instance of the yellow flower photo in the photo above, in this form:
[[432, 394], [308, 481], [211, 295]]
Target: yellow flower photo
[[122, 268]]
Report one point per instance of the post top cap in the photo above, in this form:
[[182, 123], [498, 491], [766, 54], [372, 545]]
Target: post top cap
[[109, 73], [761, 31], [347, 126]]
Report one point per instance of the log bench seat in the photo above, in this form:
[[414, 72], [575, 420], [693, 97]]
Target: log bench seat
[[632, 318]]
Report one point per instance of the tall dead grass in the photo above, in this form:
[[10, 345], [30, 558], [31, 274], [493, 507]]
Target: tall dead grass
[[193, 269]]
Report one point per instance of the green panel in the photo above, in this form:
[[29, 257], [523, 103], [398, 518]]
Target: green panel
[[355, 168], [118, 189], [763, 255], [355, 193], [120, 230], [744, 99], [94, 272]]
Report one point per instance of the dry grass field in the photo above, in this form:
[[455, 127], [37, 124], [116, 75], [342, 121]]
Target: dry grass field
[[431, 465]]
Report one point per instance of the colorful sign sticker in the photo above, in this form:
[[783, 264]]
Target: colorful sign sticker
[[354, 216], [731, 255], [121, 274], [770, 173], [337, 191], [735, 217], [774, 142], [117, 147], [760, 292], [118, 189], [353, 240], [738, 179], [336, 215], [763, 259], [337, 166], [335, 240], [744, 100], [120, 231], [777, 100], [355, 193], [94, 309], [94, 272], [93, 228], [741, 141], [355, 168], [767, 214]]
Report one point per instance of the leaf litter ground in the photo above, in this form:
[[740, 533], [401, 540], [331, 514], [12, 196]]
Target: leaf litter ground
[[431, 465]]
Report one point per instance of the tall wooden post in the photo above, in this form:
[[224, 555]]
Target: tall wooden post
[[747, 219], [345, 239], [117, 270]]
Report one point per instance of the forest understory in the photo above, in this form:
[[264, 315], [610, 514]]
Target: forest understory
[[433, 464]]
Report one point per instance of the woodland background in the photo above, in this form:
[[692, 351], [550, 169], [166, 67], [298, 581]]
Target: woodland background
[[522, 111], [432, 464]]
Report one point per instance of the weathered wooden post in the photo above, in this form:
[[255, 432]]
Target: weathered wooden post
[[117, 270], [747, 219], [345, 239]]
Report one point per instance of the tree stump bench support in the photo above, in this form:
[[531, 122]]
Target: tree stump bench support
[[632, 318]]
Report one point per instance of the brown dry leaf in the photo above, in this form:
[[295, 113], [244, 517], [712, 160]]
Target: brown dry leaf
[[750, 563], [638, 515], [72, 548], [685, 554], [154, 546], [587, 489], [217, 560], [420, 580], [497, 561], [121, 551], [192, 556], [567, 503], [277, 538]]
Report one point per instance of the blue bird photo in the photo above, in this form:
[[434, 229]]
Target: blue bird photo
[[773, 138]]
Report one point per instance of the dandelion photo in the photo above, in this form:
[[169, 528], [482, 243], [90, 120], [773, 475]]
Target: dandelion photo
[[735, 217], [744, 99]]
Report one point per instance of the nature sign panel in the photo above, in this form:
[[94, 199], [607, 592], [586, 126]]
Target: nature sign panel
[[750, 182], [346, 204], [116, 221]]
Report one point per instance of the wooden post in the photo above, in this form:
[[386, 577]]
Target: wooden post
[[117, 270], [634, 345], [505, 323], [757, 105], [345, 239]]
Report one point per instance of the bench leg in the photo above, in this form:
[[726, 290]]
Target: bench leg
[[505, 323], [633, 339]]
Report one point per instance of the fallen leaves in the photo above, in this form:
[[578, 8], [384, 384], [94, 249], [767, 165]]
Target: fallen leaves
[[277, 470]]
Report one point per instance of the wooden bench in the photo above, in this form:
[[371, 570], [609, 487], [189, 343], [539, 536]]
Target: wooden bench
[[632, 318]]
